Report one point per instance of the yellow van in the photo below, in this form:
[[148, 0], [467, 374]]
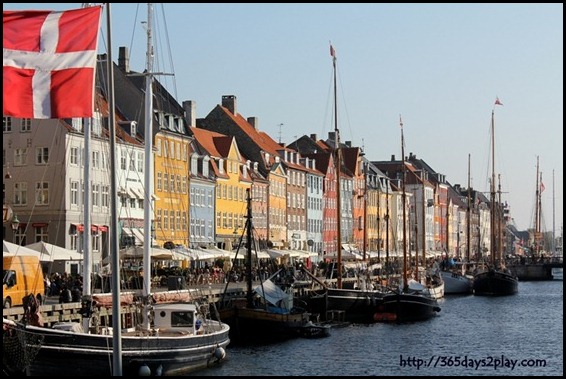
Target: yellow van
[[22, 275]]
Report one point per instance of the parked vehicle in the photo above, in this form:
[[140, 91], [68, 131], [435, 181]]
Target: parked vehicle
[[22, 276]]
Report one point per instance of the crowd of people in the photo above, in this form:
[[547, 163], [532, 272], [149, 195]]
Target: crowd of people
[[68, 287]]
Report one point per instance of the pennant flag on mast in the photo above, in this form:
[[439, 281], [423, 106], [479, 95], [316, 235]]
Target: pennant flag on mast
[[497, 102], [332, 52], [50, 62], [542, 187]]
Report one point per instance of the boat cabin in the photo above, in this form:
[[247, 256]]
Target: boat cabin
[[176, 317]]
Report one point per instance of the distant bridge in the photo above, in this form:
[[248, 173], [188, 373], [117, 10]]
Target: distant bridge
[[535, 269]]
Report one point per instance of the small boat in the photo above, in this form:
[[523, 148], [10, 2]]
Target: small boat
[[267, 314], [456, 283], [314, 330]]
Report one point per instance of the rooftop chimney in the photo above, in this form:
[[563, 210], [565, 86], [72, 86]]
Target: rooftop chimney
[[392, 157], [332, 136], [254, 122], [190, 108], [314, 137], [229, 102], [124, 59]]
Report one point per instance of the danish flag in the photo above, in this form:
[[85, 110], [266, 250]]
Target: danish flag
[[50, 62]]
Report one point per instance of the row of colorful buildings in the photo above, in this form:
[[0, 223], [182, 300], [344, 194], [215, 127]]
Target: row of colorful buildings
[[202, 169]]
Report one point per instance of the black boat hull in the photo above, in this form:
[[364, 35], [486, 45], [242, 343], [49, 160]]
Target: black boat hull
[[65, 353], [353, 305], [495, 283], [409, 307], [260, 326]]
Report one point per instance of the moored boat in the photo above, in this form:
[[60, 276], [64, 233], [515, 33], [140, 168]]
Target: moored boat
[[494, 279], [267, 313]]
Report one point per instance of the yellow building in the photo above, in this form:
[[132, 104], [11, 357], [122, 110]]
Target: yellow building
[[171, 188]]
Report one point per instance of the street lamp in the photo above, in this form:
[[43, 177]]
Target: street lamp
[[15, 225]]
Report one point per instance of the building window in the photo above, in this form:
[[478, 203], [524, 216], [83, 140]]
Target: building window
[[41, 234], [97, 124], [77, 123], [73, 238], [21, 236], [42, 193], [25, 124], [95, 159], [74, 156], [123, 158], [95, 195], [20, 157], [75, 193], [41, 155], [140, 162], [105, 196], [166, 182], [7, 124], [165, 219], [20, 193]]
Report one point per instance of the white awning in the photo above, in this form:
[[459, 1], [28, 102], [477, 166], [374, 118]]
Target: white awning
[[139, 193], [127, 232], [139, 236], [132, 194]]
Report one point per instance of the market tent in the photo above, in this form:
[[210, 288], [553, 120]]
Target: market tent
[[11, 249], [275, 253], [345, 255], [181, 252], [255, 254], [55, 252], [136, 252]]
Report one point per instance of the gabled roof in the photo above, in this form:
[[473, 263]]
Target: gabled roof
[[253, 143], [215, 144], [323, 161]]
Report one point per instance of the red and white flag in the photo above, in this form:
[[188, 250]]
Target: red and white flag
[[50, 62], [541, 187], [497, 102]]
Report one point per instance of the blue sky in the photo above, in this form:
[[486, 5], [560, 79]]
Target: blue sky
[[438, 66]]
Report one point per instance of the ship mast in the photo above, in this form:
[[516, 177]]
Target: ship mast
[[492, 190], [338, 162], [403, 200]]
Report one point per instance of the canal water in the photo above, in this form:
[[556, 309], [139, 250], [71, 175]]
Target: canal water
[[514, 335]]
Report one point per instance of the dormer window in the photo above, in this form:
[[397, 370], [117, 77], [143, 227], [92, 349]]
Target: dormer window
[[133, 128]]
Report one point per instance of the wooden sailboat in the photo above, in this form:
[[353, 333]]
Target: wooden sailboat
[[267, 314], [173, 335], [405, 303], [495, 279], [535, 266], [361, 304]]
